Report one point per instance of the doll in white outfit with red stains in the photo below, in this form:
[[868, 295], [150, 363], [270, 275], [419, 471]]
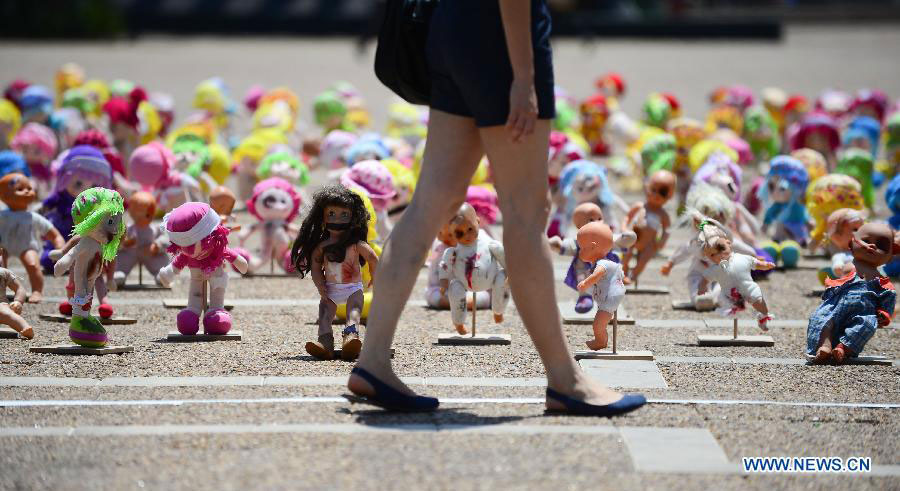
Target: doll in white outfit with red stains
[[595, 240]]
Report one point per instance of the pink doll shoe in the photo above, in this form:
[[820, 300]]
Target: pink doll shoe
[[65, 308], [105, 310], [371, 176], [217, 322], [188, 322]]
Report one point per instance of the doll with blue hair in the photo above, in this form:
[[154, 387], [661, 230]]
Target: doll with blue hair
[[783, 194], [13, 163], [584, 181], [892, 199]]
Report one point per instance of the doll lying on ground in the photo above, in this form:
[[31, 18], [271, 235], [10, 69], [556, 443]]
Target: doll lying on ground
[[332, 248], [22, 231], [476, 263], [275, 204], [97, 214], [145, 243], [579, 270], [856, 304], [731, 270], [595, 240], [842, 224], [200, 243], [434, 297], [11, 312], [650, 222]]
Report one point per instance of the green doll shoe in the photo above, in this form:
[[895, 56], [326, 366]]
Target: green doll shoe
[[825, 274], [773, 249], [87, 332], [790, 254]]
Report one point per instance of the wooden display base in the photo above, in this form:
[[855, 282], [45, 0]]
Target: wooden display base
[[177, 337], [474, 339], [74, 349], [569, 316], [864, 360], [178, 303], [112, 321], [609, 355], [140, 286], [8, 333]]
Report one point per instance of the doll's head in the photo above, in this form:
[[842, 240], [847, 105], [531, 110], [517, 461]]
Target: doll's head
[[715, 239], [36, 142], [366, 148], [222, 200], [786, 181], [871, 103], [284, 96], [858, 163], [374, 178], [814, 161], [582, 181], [335, 210], [817, 131], [710, 201], [404, 182], [329, 110], [10, 121], [595, 240], [828, 194], [285, 165], [657, 110], [36, 104], [701, 152], [122, 112], [150, 165], [195, 231], [67, 123], [142, 208], [724, 116], [659, 153], [833, 102], [594, 112], [774, 100], [16, 191], [660, 188], [873, 243], [98, 213], [445, 235], [842, 224], [586, 213], [191, 154], [721, 171], [759, 124], [864, 133], [611, 84], [335, 143], [13, 162], [274, 199], [465, 225], [687, 132], [68, 76], [84, 167]]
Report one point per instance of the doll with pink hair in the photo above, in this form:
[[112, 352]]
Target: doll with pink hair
[[37, 143], [275, 204], [200, 243], [819, 131], [378, 183], [721, 171], [153, 167]]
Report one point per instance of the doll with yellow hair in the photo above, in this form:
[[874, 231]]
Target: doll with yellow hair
[[10, 122], [249, 154], [826, 195]]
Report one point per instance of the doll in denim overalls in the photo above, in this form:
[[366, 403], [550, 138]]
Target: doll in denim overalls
[[855, 305]]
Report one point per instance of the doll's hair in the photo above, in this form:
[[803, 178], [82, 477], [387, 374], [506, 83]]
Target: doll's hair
[[788, 169], [10, 115], [722, 163], [710, 230], [83, 161], [274, 183], [816, 122], [830, 193], [37, 135], [313, 231], [588, 168], [90, 208], [709, 201], [13, 162], [264, 171], [858, 163]]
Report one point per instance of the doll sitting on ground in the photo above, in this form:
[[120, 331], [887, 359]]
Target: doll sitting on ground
[[856, 304], [22, 231], [275, 204], [476, 263], [650, 222], [783, 196], [731, 270], [145, 243], [332, 248], [11, 312], [595, 240], [434, 297]]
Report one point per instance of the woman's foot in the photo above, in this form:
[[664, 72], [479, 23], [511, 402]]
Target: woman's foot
[[370, 389], [360, 387], [596, 345], [585, 390]]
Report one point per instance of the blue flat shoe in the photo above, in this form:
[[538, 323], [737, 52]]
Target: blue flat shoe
[[387, 397], [628, 403]]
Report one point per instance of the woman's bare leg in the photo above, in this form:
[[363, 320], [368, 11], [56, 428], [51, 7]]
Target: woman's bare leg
[[452, 152], [520, 171]]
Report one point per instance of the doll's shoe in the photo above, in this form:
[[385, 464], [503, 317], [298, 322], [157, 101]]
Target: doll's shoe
[[840, 353], [584, 304], [773, 250], [217, 322], [351, 345], [188, 322], [323, 349], [105, 310], [628, 403], [389, 398], [790, 254], [87, 332], [65, 308]]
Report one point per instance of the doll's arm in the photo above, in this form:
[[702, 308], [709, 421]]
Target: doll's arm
[[742, 247], [245, 234], [665, 222], [318, 273], [555, 244], [629, 217], [620, 203], [444, 272], [366, 251], [683, 252], [597, 275], [168, 272], [761, 265], [55, 238], [239, 262], [497, 251], [68, 255]]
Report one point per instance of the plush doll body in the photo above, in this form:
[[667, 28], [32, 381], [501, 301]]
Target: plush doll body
[[97, 214], [145, 243], [332, 248], [11, 312], [275, 204], [152, 166], [595, 240], [856, 304], [21, 231], [650, 222], [783, 195], [476, 263]]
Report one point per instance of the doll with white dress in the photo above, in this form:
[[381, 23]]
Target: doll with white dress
[[595, 240]]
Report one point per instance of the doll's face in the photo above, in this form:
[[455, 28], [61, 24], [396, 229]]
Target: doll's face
[[122, 133], [860, 142], [465, 228], [222, 203], [141, 212], [723, 181], [844, 231], [445, 235], [873, 243], [660, 188], [107, 229], [718, 251], [17, 192], [585, 214], [334, 215], [585, 187], [79, 183], [594, 240], [779, 190], [185, 158], [285, 170], [274, 204]]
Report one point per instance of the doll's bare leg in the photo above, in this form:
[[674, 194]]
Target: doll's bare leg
[[125, 262], [645, 248], [350, 343], [15, 321], [327, 311], [456, 293], [644, 257], [499, 296], [101, 289], [451, 155], [31, 260], [626, 263], [763, 316], [354, 307], [601, 338]]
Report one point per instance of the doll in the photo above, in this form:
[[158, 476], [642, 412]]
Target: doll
[[434, 297], [476, 263], [357, 114], [275, 204], [248, 155], [405, 183], [193, 157], [12, 162], [594, 113], [334, 144], [892, 200], [152, 166], [815, 163], [375, 179], [595, 240], [658, 109], [332, 248], [584, 181], [870, 103], [368, 147], [818, 131], [659, 153], [11, 312], [97, 216], [858, 163], [331, 112], [650, 222], [124, 121], [732, 271], [842, 224], [222, 200], [145, 243], [611, 85], [826, 195], [36, 104], [761, 132], [856, 304], [10, 121], [579, 270], [22, 230], [98, 140], [200, 243], [774, 101], [687, 132], [716, 164], [37, 143], [783, 195], [863, 132], [285, 165]]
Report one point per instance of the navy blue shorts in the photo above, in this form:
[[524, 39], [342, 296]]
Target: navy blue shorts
[[470, 69]]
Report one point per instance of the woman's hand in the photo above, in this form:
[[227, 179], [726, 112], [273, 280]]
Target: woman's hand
[[522, 109]]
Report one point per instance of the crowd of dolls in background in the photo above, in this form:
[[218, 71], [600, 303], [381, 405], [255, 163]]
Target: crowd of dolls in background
[[98, 178]]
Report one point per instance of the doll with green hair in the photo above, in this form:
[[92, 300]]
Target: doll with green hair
[[331, 112], [285, 165], [97, 214]]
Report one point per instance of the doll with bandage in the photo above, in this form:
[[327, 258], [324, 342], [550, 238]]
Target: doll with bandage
[[99, 227], [332, 248], [153, 167], [145, 243], [275, 204], [476, 263], [200, 244]]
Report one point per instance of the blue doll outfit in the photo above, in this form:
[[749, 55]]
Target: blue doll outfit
[[852, 307], [793, 217]]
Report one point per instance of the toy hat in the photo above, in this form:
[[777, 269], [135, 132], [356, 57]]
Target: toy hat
[[739, 96], [274, 184], [815, 163], [150, 164], [10, 115], [873, 98], [83, 159], [38, 135], [36, 99], [91, 207], [13, 91], [12, 162], [858, 163], [252, 96], [816, 121], [98, 140], [371, 176], [796, 103], [190, 223], [702, 151], [282, 94], [835, 102]]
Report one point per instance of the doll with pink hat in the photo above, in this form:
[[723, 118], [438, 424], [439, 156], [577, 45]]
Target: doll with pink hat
[[200, 243], [819, 131], [378, 183], [37, 143], [152, 166], [275, 204]]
